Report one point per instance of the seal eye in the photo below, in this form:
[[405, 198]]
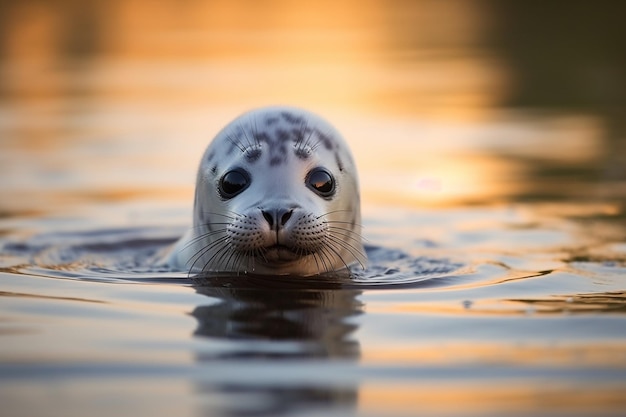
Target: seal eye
[[233, 182], [320, 181]]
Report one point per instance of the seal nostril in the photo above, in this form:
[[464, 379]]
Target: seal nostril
[[280, 215], [285, 218], [268, 217]]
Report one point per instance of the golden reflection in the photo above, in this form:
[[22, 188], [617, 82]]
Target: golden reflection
[[502, 397], [104, 102], [73, 71], [32, 33], [583, 303], [436, 179], [15, 294], [433, 353], [357, 55], [612, 302]]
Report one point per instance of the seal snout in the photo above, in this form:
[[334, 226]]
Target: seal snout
[[277, 218]]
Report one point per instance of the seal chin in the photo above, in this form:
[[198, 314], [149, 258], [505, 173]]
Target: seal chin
[[280, 254]]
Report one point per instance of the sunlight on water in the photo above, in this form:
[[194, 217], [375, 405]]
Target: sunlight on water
[[490, 142]]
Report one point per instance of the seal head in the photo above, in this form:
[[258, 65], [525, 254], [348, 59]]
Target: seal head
[[276, 193]]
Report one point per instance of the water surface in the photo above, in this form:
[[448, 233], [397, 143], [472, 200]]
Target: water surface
[[494, 198]]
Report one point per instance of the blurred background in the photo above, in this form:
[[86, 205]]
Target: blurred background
[[469, 115], [444, 102]]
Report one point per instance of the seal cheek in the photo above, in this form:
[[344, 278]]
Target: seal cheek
[[244, 233], [309, 234]]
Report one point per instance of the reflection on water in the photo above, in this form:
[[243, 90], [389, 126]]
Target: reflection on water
[[523, 318], [490, 140], [302, 325], [311, 316]]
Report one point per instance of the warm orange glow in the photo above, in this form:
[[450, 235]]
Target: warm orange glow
[[504, 397], [107, 105], [416, 102], [319, 54], [462, 353]]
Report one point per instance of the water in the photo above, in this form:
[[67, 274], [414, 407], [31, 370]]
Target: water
[[493, 188]]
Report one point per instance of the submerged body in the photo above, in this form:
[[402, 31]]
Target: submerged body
[[276, 193]]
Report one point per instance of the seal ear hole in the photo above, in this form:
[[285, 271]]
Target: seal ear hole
[[321, 182], [233, 183]]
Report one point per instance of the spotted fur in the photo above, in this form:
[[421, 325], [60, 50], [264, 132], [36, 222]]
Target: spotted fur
[[282, 135]]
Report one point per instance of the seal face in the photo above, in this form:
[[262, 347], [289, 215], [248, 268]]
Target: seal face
[[276, 193]]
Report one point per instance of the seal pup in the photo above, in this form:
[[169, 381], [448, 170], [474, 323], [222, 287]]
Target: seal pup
[[276, 193]]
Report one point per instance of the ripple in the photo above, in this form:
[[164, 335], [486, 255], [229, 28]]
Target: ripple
[[129, 255]]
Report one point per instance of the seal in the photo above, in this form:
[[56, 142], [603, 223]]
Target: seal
[[276, 193]]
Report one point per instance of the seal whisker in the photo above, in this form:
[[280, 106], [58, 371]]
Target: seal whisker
[[343, 222], [243, 262], [324, 254], [354, 250], [250, 142], [205, 231], [351, 222], [207, 225], [322, 264], [199, 254], [307, 141], [235, 142], [262, 252], [302, 144], [333, 212], [234, 258], [316, 263], [224, 260], [198, 237], [334, 248], [356, 253], [214, 213], [219, 253], [256, 131], [250, 260], [298, 144], [202, 236], [350, 234], [333, 254]]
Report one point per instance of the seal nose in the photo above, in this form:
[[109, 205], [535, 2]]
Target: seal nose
[[280, 215]]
